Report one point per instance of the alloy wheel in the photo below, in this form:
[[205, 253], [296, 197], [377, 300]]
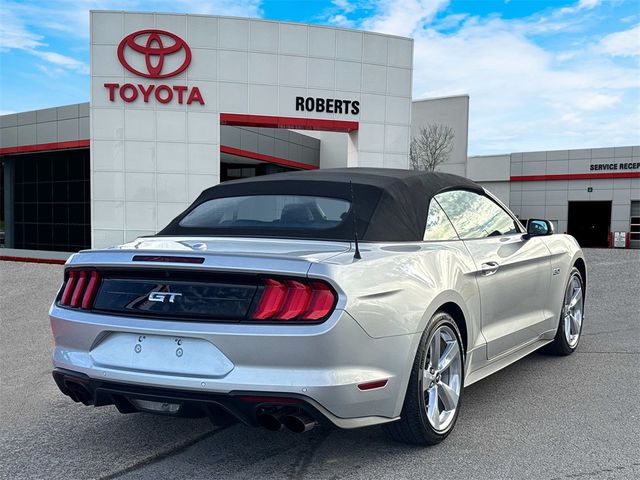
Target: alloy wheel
[[441, 378], [572, 312]]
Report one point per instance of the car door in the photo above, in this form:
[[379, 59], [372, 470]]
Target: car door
[[512, 272]]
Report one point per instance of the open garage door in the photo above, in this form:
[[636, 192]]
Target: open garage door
[[589, 223]]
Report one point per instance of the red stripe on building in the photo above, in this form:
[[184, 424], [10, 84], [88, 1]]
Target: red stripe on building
[[41, 147], [266, 121], [54, 261], [573, 176], [265, 158]]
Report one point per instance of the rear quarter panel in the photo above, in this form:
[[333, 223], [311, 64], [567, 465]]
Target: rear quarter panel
[[396, 288]]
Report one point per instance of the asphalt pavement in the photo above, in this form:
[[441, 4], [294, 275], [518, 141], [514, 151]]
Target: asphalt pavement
[[575, 417]]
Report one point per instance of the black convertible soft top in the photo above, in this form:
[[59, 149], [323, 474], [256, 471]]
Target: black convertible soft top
[[389, 205]]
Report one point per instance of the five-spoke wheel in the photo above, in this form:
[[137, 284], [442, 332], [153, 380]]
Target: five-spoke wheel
[[572, 313], [571, 318], [441, 378], [435, 388]]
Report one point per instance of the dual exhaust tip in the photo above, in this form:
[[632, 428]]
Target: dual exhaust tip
[[271, 420], [296, 422]]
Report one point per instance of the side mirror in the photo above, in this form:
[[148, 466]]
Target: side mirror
[[538, 228]]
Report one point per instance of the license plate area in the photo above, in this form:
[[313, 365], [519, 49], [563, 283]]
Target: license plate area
[[161, 354]]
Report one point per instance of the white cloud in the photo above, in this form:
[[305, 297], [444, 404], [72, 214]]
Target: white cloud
[[16, 35], [622, 44], [71, 17], [581, 5], [13, 33], [344, 5], [522, 95], [341, 20], [62, 61], [403, 17], [589, 4], [51, 71], [597, 101], [238, 8]]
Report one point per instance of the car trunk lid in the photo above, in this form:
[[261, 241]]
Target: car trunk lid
[[196, 279]]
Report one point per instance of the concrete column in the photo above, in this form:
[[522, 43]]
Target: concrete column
[[352, 149]]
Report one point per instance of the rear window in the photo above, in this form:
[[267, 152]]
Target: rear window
[[268, 211]]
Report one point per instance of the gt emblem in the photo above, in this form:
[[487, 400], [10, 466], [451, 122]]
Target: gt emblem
[[556, 271], [162, 296]]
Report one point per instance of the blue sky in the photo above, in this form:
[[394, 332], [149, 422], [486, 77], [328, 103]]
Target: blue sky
[[540, 74]]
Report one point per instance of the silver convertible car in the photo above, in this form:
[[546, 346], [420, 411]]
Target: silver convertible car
[[352, 297]]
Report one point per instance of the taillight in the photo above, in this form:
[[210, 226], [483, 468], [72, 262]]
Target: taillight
[[298, 296], [321, 302], [69, 287], [80, 289], [273, 297], [90, 292], [294, 300]]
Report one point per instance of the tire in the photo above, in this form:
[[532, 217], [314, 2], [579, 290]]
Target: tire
[[571, 318], [416, 425]]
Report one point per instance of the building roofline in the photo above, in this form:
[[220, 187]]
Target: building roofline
[[147, 12], [549, 151], [46, 108], [462, 95]]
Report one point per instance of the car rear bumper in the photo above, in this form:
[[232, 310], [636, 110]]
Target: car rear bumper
[[220, 407], [319, 365]]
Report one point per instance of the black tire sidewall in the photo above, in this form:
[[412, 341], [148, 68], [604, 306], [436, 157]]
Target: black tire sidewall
[[438, 320], [561, 341]]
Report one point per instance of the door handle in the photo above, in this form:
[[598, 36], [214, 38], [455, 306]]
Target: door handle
[[489, 268]]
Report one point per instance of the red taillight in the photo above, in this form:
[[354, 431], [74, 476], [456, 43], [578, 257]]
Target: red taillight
[[298, 298], [294, 300], [272, 299], [321, 303], [80, 289], [92, 288], [68, 288]]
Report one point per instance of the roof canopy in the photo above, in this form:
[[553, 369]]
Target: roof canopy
[[388, 205]]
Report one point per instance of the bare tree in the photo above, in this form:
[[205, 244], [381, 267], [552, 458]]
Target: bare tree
[[431, 147]]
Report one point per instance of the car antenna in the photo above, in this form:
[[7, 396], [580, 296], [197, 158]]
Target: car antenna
[[356, 255]]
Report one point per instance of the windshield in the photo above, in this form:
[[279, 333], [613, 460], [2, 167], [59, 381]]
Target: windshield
[[268, 211]]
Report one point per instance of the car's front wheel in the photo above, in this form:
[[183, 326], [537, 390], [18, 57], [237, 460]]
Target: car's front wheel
[[432, 401], [571, 317]]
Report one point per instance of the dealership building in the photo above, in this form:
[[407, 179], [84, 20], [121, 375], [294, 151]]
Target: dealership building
[[179, 103]]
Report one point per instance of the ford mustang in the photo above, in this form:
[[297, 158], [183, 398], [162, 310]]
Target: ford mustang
[[352, 297]]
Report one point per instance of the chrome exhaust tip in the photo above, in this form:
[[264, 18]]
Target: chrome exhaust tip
[[270, 421], [78, 393], [299, 423]]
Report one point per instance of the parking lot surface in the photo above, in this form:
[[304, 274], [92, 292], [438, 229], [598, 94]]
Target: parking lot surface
[[575, 417]]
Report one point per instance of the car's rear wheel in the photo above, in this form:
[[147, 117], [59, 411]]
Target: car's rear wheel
[[434, 393], [571, 318]]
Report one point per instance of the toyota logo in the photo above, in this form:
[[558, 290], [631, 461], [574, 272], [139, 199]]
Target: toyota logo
[[154, 51]]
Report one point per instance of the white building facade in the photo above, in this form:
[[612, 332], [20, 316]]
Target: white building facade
[[592, 194], [162, 85]]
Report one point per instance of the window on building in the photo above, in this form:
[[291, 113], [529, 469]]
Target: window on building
[[1, 203], [634, 234], [476, 216], [51, 201]]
